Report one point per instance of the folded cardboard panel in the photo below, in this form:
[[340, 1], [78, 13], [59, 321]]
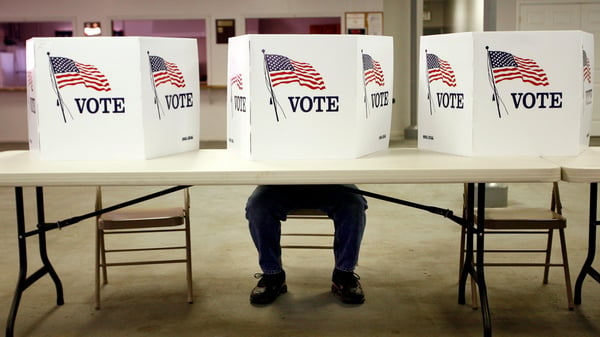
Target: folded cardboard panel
[[309, 96], [112, 97], [506, 93]]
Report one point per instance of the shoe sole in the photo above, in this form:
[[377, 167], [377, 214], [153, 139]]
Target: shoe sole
[[338, 292]]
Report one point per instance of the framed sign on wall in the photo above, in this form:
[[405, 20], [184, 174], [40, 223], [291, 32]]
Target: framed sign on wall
[[225, 29], [365, 23]]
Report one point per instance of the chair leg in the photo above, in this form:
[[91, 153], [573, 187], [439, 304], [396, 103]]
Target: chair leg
[[188, 257], [548, 255], [474, 299], [100, 265], [103, 257], [563, 248], [461, 262], [97, 271]]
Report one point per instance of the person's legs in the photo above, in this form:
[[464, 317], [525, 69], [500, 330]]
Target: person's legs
[[269, 205], [347, 209], [265, 209]]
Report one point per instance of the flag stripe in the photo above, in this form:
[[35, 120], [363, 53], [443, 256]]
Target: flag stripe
[[587, 71], [166, 72], [283, 70], [237, 81], [373, 71], [69, 72], [506, 66], [439, 69]]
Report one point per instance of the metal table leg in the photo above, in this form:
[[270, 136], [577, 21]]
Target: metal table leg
[[469, 268], [24, 281], [483, 298], [475, 268], [587, 268]]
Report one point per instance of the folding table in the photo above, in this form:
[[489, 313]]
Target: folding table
[[20, 169]]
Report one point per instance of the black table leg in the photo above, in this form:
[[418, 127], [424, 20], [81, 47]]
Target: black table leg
[[475, 268], [23, 281], [470, 228], [47, 265], [587, 268], [483, 298], [10, 324]]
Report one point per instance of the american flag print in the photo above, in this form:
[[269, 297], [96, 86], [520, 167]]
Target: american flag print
[[440, 69], [373, 72], [69, 72], [587, 70], [166, 72], [283, 70], [237, 81], [506, 66]]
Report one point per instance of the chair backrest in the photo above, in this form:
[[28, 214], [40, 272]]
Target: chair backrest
[[186, 200], [308, 214], [555, 203]]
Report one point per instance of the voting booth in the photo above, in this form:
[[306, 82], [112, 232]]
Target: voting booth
[[506, 93], [309, 96], [112, 97]]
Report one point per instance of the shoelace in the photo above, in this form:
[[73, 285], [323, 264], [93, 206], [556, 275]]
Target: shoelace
[[349, 280]]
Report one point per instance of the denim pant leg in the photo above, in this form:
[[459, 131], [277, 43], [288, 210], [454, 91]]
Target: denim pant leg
[[347, 210], [265, 212], [269, 205]]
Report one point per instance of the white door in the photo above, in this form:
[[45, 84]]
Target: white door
[[567, 16]]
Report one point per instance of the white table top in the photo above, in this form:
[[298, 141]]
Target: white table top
[[220, 167], [584, 168]]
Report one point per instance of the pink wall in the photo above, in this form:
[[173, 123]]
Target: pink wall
[[287, 25]]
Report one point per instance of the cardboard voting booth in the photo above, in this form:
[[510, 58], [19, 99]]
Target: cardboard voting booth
[[309, 96], [112, 97], [506, 93]]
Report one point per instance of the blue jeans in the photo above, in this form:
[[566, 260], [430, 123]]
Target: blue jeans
[[269, 205]]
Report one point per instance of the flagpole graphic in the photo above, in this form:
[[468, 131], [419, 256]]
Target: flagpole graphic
[[504, 66], [364, 85], [238, 82], [164, 72], [438, 69], [428, 85], [66, 72], [59, 100], [156, 100], [269, 84], [281, 69], [492, 80]]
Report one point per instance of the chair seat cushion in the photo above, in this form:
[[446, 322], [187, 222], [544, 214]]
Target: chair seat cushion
[[523, 218], [142, 218]]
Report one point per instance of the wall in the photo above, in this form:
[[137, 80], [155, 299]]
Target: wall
[[506, 10], [80, 11], [13, 124], [465, 15], [437, 19]]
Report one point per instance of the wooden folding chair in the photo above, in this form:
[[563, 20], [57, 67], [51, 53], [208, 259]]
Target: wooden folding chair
[[135, 220], [523, 221]]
